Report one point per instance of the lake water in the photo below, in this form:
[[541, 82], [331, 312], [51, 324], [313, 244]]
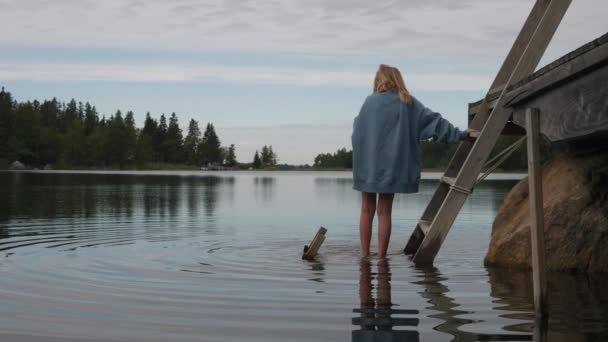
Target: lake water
[[193, 256]]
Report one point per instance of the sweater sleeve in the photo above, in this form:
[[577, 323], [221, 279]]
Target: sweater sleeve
[[433, 126]]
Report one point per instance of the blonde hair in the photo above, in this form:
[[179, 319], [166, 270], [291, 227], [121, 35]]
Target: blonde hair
[[389, 78]]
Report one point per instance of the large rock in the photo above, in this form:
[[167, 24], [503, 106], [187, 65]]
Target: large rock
[[575, 191]]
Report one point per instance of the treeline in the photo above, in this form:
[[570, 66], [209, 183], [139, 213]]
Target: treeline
[[340, 159], [435, 156], [266, 159], [72, 134]]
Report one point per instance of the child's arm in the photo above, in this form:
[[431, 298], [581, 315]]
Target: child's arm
[[433, 126]]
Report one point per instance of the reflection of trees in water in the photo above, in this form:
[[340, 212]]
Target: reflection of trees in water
[[85, 210], [210, 193], [192, 196], [206, 189], [7, 197], [69, 195], [340, 187], [264, 187], [3, 231]]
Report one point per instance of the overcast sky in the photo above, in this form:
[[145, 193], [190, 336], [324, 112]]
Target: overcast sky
[[288, 73]]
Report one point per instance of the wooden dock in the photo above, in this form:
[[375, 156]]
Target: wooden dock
[[571, 93]]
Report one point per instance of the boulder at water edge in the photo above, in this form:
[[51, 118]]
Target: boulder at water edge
[[575, 202]]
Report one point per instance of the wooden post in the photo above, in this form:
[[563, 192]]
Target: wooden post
[[537, 240], [311, 250]]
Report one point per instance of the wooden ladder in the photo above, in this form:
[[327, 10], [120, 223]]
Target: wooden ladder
[[463, 170]]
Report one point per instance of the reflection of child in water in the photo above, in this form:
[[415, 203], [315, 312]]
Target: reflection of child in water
[[381, 307], [375, 314]]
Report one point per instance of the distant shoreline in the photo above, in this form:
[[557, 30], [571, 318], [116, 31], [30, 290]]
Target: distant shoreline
[[310, 169]]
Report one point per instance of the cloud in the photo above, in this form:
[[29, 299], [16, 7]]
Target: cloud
[[442, 29], [229, 74]]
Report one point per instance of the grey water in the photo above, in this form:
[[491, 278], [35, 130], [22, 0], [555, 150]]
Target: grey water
[[204, 256]]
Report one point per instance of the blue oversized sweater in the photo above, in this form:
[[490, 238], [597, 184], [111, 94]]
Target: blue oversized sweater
[[386, 136]]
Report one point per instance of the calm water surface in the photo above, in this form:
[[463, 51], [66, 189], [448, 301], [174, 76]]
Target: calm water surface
[[194, 256]]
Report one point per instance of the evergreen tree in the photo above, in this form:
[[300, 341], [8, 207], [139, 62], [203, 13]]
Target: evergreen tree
[[51, 147], [191, 143], [273, 156], [98, 144], [70, 114], [131, 135], [231, 156], [159, 139], [50, 113], [341, 159], [144, 152], [80, 112], [150, 126], [90, 119], [74, 151], [257, 162], [173, 141], [265, 156], [209, 149], [7, 126], [268, 157], [117, 141], [27, 134]]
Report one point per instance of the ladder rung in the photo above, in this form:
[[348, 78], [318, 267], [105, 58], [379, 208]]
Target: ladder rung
[[451, 181], [425, 225], [448, 180]]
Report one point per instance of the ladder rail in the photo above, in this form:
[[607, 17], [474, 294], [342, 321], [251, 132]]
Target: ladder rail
[[450, 196], [524, 36], [528, 62], [500, 81]]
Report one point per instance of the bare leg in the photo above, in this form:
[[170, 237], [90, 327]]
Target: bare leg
[[385, 208], [368, 208]]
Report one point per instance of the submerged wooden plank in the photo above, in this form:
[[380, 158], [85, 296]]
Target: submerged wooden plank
[[311, 250]]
